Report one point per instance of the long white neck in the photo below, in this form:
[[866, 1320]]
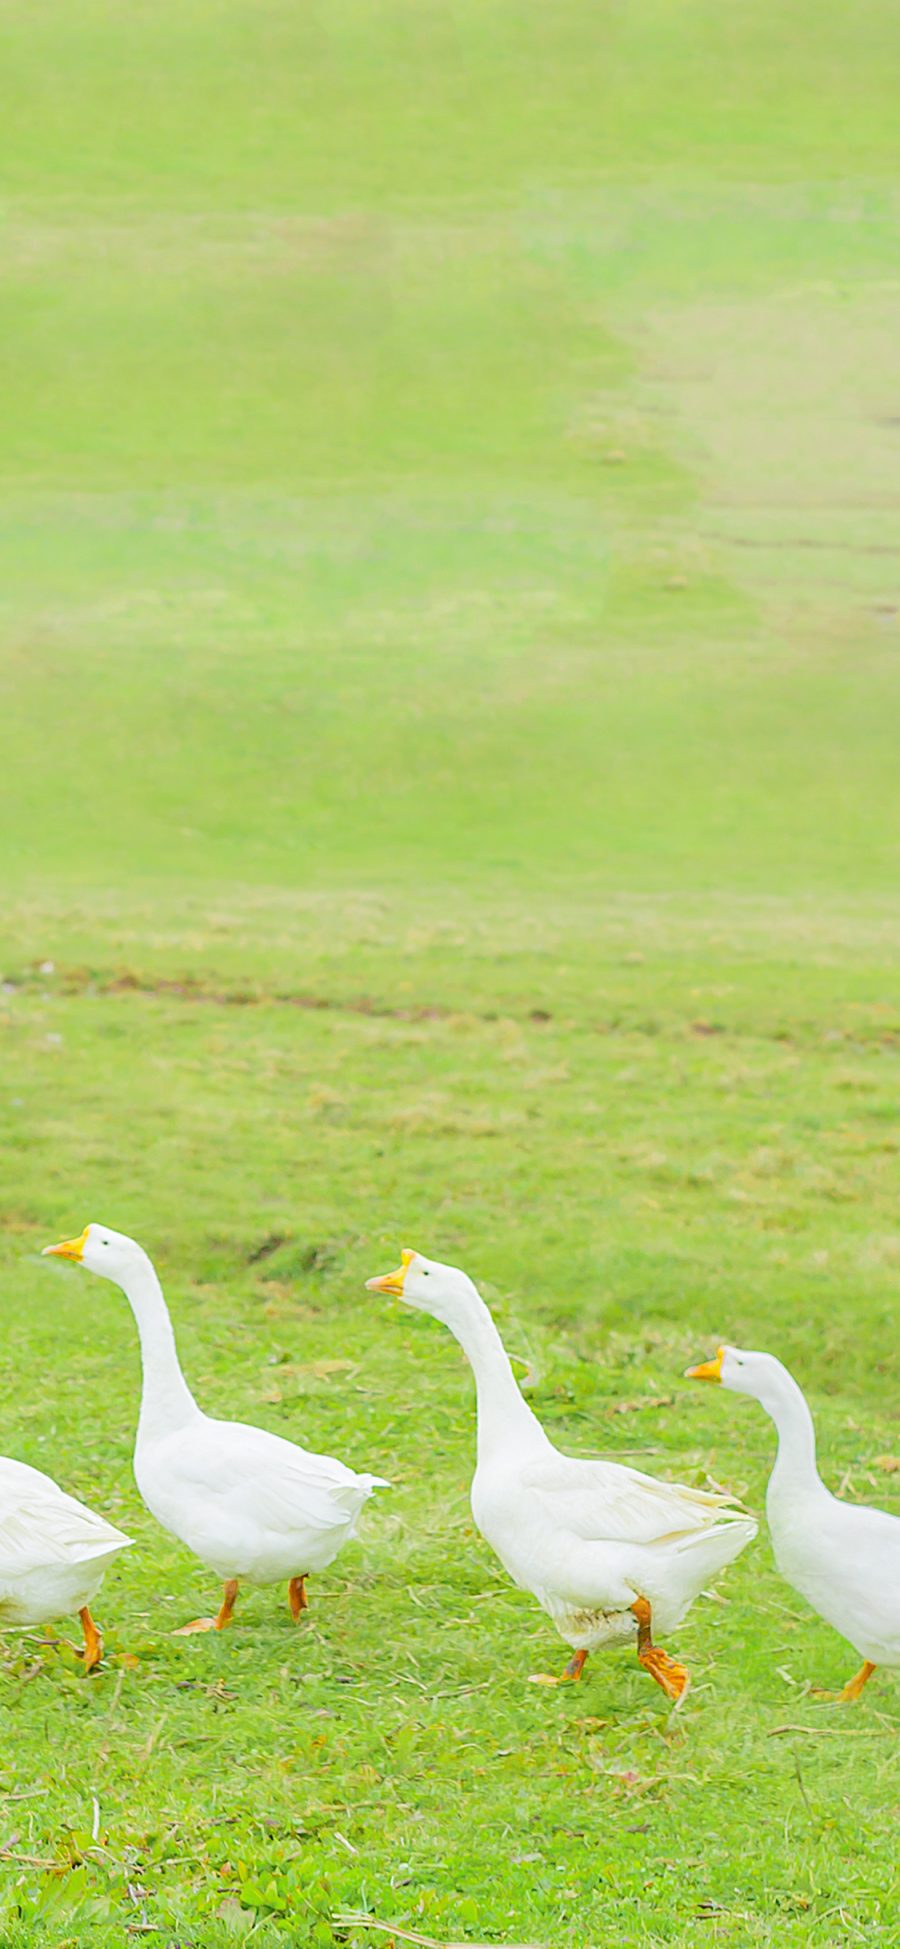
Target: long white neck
[[504, 1417], [795, 1464], [166, 1400]]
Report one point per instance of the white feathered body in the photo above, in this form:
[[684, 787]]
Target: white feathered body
[[248, 1503], [53, 1551], [844, 1559], [589, 1537]]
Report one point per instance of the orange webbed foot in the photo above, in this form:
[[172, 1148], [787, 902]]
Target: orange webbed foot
[[851, 1691], [223, 1615], [671, 1677], [573, 1671], [93, 1642]]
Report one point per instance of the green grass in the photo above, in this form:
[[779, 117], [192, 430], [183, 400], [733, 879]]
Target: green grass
[[449, 685]]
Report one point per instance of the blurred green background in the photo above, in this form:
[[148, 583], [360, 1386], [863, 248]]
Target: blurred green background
[[451, 441]]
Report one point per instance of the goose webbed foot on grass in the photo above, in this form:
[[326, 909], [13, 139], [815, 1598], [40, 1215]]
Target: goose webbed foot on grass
[[672, 1677], [223, 1615], [573, 1670], [850, 1692], [93, 1641]]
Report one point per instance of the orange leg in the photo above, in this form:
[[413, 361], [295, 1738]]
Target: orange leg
[[671, 1676], [854, 1686], [297, 1597], [573, 1670], [93, 1643], [217, 1623]]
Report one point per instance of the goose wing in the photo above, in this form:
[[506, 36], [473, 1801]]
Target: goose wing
[[40, 1524], [275, 1482], [604, 1501]]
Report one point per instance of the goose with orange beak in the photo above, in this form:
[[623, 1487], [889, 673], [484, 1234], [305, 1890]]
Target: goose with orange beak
[[248, 1503], [842, 1557], [613, 1556]]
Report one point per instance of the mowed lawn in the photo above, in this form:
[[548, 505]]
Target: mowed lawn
[[448, 591]]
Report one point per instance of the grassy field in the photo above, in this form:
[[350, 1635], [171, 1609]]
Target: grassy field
[[450, 691]]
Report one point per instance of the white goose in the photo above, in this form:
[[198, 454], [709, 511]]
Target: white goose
[[248, 1503], [53, 1553], [843, 1557], [611, 1555]]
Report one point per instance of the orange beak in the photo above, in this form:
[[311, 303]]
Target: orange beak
[[392, 1282], [69, 1248], [709, 1370]]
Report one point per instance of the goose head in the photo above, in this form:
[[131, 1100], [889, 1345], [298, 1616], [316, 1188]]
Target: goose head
[[430, 1287], [110, 1253], [757, 1374]]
